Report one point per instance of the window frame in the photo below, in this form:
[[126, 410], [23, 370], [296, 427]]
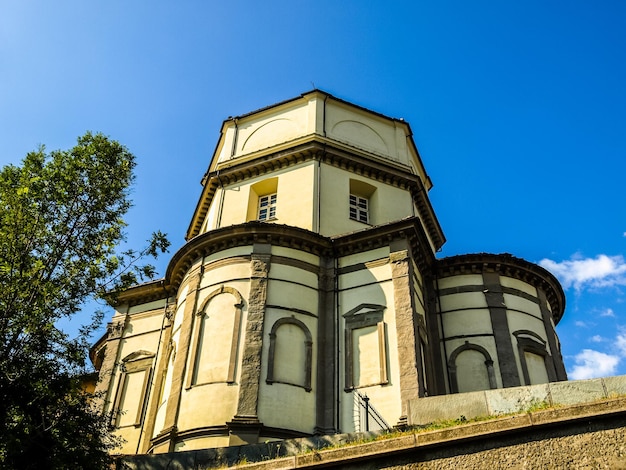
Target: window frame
[[308, 353], [269, 207], [135, 363], [199, 318], [358, 206], [531, 342], [363, 316]]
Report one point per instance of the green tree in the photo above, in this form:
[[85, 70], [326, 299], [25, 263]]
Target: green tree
[[61, 223]]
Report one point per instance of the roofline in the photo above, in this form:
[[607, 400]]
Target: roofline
[[249, 233], [508, 265], [310, 92], [315, 147], [409, 132]]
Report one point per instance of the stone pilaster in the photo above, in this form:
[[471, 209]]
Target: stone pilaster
[[180, 362], [115, 332], [433, 319], [326, 384], [406, 329], [500, 326], [165, 347], [245, 426], [555, 352]]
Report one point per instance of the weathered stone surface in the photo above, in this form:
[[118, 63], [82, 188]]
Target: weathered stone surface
[[547, 439], [431, 409], [405, 328], [512, 400], [615, 386], [576, 391]]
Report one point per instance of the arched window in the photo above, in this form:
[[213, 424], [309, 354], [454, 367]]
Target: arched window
[[290, 354], [263, 200], [471, 369], [537, 364], [216, 338], [361, 207], [365, 347], [129, 405]]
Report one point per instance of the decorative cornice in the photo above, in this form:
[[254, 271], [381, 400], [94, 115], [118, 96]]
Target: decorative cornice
[[316, 147], [409, 228], [287, 236], [508, 265]]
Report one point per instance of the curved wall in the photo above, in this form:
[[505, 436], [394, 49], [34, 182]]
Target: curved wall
[[229, 302], [495, 321]]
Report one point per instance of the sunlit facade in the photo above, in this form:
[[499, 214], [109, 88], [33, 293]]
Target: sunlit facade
[[309, 280]]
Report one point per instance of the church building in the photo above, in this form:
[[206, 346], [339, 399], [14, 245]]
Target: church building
[[309, 294]]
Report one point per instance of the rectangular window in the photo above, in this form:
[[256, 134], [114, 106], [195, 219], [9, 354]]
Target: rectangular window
[[358, 209], [267, 207]]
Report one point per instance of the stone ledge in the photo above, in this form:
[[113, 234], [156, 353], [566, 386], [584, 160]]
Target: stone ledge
[[527, 422], [513, 400], [493, 430]]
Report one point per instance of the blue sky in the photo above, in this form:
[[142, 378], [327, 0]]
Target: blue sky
[[518, 109]]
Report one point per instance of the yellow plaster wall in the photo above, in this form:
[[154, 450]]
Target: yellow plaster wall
[[279, 403], [147, 306], [371, 285], [328, 118], [536, 369], [141, 334], [367, 131], [295, 199], [167, 387], [388, 203], [515, 302], [464, 300], [207, 405], [461, 280], [377, 273], [202, 443], [467, 322], [145, 322], [214, 403], [384, 398], [227, 253], [472, 375], [235, 275], [486, 342], [212, 218], [295, 254], [519, 285], [266, 129], [289, 273], [130, 436], [519, 321], [363, 257]]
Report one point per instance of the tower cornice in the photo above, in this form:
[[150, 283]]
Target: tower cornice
[[315, 147], [287, 236], [508, 265]]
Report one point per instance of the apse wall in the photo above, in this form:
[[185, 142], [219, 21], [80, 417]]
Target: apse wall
[[495, 321]]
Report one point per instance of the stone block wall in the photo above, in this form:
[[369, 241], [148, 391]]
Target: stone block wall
[[588, 436]]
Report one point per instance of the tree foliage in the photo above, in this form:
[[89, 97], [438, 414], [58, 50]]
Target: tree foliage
[[61, 222]]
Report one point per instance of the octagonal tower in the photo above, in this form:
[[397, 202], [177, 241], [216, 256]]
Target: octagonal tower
[[309, 281]]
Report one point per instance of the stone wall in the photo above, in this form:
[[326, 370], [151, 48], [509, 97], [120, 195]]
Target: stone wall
[[587, 436], [514, 399]]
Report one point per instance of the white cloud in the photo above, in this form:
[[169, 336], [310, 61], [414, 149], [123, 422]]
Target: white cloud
[[580, 324], [620, 343], [601, 271], [596, 339], [607, 313], [591, 364]]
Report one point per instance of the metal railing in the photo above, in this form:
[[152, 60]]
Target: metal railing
[[370, 411]]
